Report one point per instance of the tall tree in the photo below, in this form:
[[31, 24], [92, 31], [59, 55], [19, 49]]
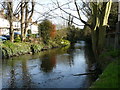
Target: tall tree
[[45, 29], [7, 6], [10, 19], [99, 14], [26, 16], [22, 20]]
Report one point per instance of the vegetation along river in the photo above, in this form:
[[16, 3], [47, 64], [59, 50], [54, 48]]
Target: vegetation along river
[[50, 69]]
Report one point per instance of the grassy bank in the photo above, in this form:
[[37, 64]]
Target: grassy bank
[[109, 77], [15, 49], [110, 66]]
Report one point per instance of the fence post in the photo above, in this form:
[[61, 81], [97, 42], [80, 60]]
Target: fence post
[[116, 45], [116, 36]]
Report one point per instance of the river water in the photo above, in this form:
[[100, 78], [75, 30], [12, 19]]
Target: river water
[[50, 69]]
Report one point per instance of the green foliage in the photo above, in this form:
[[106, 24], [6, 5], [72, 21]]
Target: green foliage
[[10, 49], [112, 53], [6, 51], [53, 43], [56, 43], [64, 42], [14, 49], [71, 34], [33, 35], [29, 31], [109, 78], [61, 34], [45, 28], [74, 34], [17, 39], [36, 48]]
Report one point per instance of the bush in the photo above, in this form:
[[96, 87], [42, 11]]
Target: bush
[[36, 48], [17, 39], [64, 42], [10, 49], [45, 29], [58, 43], [14, 49], [53, 44]]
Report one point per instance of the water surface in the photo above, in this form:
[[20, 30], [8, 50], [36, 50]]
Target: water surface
[[50, 69]]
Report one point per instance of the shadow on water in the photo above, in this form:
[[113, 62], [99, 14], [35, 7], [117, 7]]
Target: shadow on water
[[50, 69]]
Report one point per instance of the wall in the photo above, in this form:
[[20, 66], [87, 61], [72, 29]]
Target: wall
[[4, 26], [34, 28]]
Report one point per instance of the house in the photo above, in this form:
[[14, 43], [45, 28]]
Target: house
[[33, 27], [4, 25]]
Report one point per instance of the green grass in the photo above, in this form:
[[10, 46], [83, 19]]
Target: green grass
[[112, 53], [109, 77]]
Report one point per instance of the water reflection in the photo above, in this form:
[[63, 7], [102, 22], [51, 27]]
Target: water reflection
[[12, 76], [25, 74], [49, 69], [48, 62]]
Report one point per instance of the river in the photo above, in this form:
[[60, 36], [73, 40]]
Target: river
[[50, 69]]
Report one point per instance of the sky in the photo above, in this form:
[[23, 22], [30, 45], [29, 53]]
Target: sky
[[48, 4], [43, 6]]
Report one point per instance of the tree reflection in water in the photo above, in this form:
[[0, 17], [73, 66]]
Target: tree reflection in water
[[48, 62], [12, 77], [25, 74]]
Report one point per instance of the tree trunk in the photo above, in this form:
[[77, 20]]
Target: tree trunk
[[22, 22], [94, 37], [101, 42], [100, 20], [26, 19], [11, 31], [10, 18]]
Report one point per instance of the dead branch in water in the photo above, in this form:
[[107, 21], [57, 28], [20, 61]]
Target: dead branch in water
[[89, 73]]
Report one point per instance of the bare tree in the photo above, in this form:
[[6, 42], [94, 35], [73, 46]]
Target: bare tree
[[22, 20], [26, 16], [10, 15], [10, 19], [99, 12]]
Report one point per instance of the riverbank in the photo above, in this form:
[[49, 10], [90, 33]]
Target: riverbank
[[15, 49], [109, 77]]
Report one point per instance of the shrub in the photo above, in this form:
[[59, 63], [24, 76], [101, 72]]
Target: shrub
[[36, 48], [45, 28], [10, 49], [64, 42], [17, 39]]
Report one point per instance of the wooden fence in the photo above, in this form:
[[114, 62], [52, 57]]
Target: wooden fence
[[113, 39]]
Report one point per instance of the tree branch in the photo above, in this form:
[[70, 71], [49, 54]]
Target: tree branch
[[80, 16]]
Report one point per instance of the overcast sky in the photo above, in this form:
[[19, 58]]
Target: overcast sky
[[49, 5], [43, 6]]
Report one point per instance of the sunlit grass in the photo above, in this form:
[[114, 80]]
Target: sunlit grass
[[109, 77]]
